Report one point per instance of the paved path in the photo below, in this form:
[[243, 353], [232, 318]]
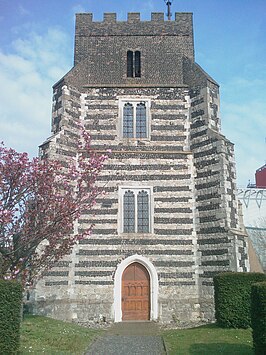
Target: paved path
[[129, 338]]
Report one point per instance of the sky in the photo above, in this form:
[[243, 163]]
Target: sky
[[36, 50]]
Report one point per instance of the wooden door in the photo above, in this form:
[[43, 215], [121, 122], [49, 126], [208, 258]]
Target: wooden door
[[135, 293]]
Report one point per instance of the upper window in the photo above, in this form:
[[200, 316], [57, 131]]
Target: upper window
[[136, 210], [133, 64], [135, 119]]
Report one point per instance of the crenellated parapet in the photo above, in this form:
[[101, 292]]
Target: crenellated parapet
[[90, 35], [156, 26], [181, 18]]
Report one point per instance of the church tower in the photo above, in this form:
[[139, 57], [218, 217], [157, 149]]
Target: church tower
[[168, 221]]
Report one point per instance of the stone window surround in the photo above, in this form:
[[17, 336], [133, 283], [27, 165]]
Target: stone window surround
[[136, 188], [134, 101]]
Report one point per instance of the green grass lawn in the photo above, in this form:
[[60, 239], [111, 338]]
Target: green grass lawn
[[209, 340], [49, 336]]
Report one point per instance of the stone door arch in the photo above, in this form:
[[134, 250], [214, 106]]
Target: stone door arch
[[153, 283]]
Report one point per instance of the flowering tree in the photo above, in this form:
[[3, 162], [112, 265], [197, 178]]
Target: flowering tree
[[40, 202]]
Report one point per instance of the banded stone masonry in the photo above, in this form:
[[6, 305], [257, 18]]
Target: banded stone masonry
[[163, 127]]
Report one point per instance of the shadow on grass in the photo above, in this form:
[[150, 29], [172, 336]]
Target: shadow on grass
[[220, 348]]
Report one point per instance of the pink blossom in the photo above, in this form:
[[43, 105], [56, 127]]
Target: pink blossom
[[40, 200]]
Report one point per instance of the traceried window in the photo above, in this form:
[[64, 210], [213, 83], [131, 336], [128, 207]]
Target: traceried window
[[141, 121], [133, 64], [143, 212], [128, 120], [129, 212], [136, 210], [135, 119]]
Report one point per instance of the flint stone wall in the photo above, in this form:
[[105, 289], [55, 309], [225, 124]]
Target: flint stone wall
[[186, 162]]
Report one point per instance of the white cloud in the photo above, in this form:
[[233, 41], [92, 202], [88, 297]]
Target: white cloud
[[78, 9], [27, 74], [22, 10]]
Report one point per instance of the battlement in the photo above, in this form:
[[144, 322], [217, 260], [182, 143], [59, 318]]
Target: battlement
[[85, 26], [110, 17], [104, 46]]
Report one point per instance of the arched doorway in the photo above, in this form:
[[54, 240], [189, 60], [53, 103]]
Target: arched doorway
[[154, 285], [135, 293]]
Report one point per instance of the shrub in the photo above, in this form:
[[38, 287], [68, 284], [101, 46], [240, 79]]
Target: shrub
[[258, 317], [10, 316], [232, 293]]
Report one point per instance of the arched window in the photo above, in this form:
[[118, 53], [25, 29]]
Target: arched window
[[141, 121], [128, 124], [137, 64], [129, 212], [129, 64], [143, 212], [135, 122], [133, 64], [136, 210]]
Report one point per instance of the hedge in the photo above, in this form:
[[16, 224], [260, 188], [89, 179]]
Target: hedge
[[10, 316], [258, 317], [232, 295]]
